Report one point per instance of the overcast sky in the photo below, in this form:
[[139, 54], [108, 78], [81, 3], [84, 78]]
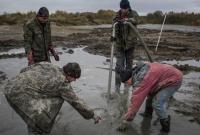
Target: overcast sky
[[142, 6]]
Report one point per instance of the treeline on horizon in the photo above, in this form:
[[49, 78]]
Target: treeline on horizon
[[102, 17]]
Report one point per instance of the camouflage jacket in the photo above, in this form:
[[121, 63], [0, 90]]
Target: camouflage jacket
[[38, 93], [125, 36], [37, 38]]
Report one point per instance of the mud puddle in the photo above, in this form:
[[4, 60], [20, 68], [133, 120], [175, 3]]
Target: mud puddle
[[91, 87]]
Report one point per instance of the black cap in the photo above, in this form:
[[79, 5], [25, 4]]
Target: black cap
[[124, 4], [43, 11], [72, 69], [125, 75]]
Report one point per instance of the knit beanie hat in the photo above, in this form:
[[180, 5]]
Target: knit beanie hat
[[124, 4], [125, 75], [43, 11]]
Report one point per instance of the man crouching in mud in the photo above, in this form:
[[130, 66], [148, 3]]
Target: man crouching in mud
[[158, 82], [38, 92]]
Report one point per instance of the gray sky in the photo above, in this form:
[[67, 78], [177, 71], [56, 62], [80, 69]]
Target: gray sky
[[142, 6]]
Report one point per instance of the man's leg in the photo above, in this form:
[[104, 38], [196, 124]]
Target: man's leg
[[148, 107], [128, 64], [129, 58], [159, 104], [119, 66]]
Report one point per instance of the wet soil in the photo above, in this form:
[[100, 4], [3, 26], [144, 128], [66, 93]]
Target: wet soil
[[92, 87], [179, 45], [174, 45]]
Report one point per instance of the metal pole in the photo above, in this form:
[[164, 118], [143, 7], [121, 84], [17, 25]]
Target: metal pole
[[142, 41], [161, 32], [111, 62]]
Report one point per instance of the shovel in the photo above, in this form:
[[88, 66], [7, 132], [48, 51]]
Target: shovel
[[111, 61]]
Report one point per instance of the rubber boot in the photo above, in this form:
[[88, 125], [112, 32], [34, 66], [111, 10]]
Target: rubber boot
[[117, 83], [148, 108], [165, 123]]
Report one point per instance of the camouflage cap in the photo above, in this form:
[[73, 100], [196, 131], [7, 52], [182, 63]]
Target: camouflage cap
[[43, 11], [72, 69]]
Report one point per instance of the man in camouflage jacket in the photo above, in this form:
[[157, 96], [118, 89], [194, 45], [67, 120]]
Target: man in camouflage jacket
[[38, 92], [126, 39], [37, 38]]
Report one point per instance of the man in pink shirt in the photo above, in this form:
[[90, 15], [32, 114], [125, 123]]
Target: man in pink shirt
[[156, 80]]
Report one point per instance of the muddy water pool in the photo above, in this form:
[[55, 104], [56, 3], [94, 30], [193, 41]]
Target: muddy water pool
[[92, 87]]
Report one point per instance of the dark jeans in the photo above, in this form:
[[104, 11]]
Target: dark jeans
[[124, 61]]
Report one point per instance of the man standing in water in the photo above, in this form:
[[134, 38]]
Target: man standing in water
[[38, 92], [126, 39], [37, 38], [155, 80]]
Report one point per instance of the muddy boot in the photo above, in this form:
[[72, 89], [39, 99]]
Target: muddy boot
[[165, 123]]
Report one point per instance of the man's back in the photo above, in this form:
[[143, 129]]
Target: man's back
[[35, 95], [42, 77]]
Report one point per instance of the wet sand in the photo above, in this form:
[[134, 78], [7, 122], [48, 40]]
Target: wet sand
[[176, 47], [92, 87]]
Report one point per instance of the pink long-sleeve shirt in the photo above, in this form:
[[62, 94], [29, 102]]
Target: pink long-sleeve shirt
[[158, 76]]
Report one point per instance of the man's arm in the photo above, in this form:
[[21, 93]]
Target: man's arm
[[49, 33], [50, 46], [28, 41], [68, 95], [134, 17], [28, 38], [117, 17], [138, 96]]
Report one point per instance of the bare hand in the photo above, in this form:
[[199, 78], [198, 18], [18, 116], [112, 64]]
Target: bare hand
[[56, 56], [129, 116], [97, 119], [30, 58]]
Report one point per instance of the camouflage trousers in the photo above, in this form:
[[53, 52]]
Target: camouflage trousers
[[32, 128], [124, 61]]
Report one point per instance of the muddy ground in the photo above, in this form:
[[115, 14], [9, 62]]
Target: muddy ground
[[174, 45]]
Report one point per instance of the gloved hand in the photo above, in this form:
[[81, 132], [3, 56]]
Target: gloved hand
[[97, 119], [54, 53], [123, 126], [30, 58]]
